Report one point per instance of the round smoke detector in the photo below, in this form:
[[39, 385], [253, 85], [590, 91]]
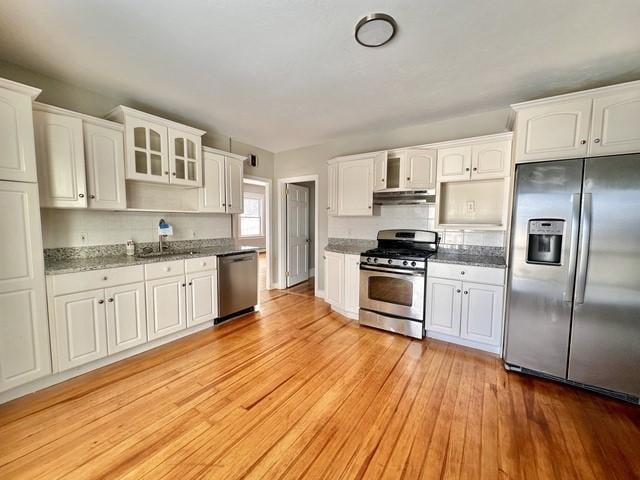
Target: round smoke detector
[[375, 30]]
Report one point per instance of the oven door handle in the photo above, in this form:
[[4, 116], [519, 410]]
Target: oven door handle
[[412, 273]]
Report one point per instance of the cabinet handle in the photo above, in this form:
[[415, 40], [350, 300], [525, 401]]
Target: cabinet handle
[[101, 301], [462, 272], [174, 174], [382, 179], [328, 208], [167, 269], [230, 205], [190, 283], [475, 169], [369, 207], [597, 140], [105, 278], [458, 291], [408, 178], [224, 204], [81, 195], [92, 196], [465, 292], [166, 172], [582, 142], [467, 169], [111, 300], [184, 284]]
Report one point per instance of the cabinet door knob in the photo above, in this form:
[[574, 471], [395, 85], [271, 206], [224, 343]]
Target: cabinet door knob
[[328, 208], [174, 174], [597, 140], [190, 283], [101, 301], [462, 272], [467, 169], [81, 195], [465, 292], [203, 264], [224, 204], [458, 291], [369, 207], [167, 269], [582, 142], [92, 196], [166, 172], [475, 169], [111, 300], [382, 179], [105, 278]]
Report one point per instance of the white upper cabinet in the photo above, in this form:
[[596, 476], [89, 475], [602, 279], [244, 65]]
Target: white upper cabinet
[[491, 160], [616, 123], [185, 158], [552, 131], [24, 327], [159, 150], [17, 152], [420, 169], [104, 155], [454, 163], [61, 164], [213, 192], [596, 122], [332, 196], [380, 172], [146, 151], [234, 185], [355, 187]]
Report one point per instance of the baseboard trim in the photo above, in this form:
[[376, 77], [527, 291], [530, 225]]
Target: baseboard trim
[[60, 377], [463, 342], [320, 293]]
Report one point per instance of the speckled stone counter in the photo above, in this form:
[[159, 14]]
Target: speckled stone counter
[[458, 258], [56, 266], [350, 246]]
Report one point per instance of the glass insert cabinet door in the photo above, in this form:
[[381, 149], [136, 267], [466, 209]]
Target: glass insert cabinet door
[[184, 158], [147, 151]]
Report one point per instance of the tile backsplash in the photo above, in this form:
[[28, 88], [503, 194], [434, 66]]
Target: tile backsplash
[[65, 228], [409, 216]]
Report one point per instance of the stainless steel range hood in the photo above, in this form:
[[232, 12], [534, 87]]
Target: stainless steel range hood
[[414, 197]]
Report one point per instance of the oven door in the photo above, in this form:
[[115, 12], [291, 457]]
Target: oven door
[[392, 291]]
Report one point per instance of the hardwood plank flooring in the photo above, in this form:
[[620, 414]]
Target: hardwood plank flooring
[[296, 391]]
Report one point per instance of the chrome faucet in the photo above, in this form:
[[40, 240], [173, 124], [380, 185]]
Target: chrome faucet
[[161, 239]]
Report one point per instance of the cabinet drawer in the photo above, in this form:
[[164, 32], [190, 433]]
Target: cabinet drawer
[[108, 277], [163, 269], [470, 273], [202, 264]]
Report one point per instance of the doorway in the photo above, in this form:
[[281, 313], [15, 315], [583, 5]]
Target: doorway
[[254, 227], [298, 227]]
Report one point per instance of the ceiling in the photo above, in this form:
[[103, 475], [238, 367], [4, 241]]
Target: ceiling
[[281, 74]]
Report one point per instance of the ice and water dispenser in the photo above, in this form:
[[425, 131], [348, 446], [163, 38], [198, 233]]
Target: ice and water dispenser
[[545, 241]]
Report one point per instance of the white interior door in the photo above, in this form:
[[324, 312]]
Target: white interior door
[[297, 234]]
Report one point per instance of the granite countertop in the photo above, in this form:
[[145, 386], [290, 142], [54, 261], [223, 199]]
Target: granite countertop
[[468, 259], [71, 265], [350, 248]]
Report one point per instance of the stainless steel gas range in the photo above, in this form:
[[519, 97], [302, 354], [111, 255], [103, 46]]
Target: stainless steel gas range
[[392, 281]]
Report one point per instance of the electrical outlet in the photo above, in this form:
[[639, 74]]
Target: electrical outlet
[[471, 206], [84, 237]]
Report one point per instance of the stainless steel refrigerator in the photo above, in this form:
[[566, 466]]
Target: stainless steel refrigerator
[[574, 274]]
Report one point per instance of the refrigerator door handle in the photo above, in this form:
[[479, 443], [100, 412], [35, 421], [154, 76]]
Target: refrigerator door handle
[[573, 247], [585, 242]]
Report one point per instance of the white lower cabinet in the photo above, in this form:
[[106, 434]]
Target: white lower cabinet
[[462, 311], [166, 309], [202, 302], [81, 329], [342, 282], [126, 317], [443, 300]]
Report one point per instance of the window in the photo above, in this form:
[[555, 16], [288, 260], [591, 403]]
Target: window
[[252, 219]]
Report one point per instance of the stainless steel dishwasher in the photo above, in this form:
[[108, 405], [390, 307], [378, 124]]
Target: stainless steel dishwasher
[[237, 284]]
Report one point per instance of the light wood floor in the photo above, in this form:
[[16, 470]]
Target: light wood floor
[[295, 391]]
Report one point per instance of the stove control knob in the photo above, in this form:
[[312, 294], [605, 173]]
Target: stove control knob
[[368, 259], [389, 261], [413, 264], [375, 260], [405, 263]]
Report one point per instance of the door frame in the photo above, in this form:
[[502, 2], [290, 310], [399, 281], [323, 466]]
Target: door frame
[[282, 233], [268, 230]]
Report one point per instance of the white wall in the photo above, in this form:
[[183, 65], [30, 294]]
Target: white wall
[[312, 160], [63, 228]]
